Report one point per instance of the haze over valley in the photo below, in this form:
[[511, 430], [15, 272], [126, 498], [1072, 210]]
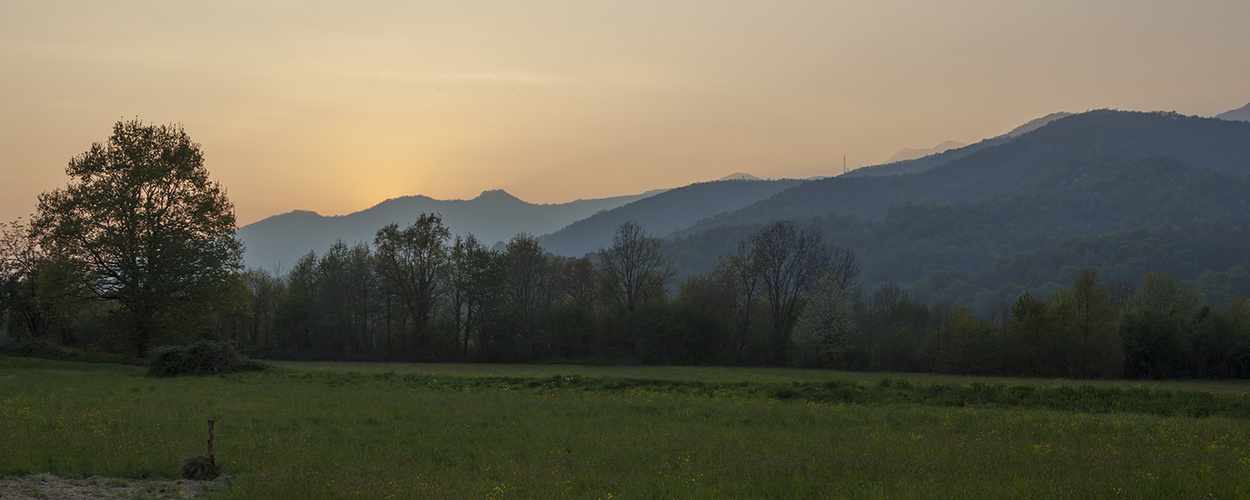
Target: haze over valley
[[1049, 183]]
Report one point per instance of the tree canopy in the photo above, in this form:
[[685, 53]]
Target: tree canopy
[[141, 225]]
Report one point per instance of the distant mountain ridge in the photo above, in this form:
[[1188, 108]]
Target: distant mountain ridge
[[663, 213], [999, 164], [276, 242], [1239, 114], [1127, 192], [739, 176], [913, 153], [1037, 123], [926, 162], [948, 223]]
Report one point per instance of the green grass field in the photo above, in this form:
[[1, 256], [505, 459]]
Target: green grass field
[[314, 430], [739, 374]]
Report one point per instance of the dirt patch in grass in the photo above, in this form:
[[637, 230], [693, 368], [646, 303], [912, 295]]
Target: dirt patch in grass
[[48, 486]]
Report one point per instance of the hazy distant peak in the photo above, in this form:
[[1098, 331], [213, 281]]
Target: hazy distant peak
[[1037, 123], [402, 199], [739, 176], [494, 215], [1240, 114], [907, 154], [294, 214], [497, 196], [913, 153]]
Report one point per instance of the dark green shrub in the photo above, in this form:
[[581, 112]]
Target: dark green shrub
[[785, 393], [199, 469], [199, 359]]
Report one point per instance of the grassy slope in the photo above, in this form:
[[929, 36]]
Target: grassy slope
[[299, 433]]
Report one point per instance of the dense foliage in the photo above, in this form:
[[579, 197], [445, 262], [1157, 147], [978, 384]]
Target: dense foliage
[[1128, 193], [1126, 217], [142, 227], [423, 297], [199, 359]]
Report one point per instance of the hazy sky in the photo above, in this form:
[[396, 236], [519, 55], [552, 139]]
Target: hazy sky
[[335, 106]]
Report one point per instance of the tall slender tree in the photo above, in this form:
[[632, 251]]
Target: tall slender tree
[[738, 277], [410, 263], [21, 258], [472, 284], [790, 262], [634, 271], [527, 279], [1097, 327]]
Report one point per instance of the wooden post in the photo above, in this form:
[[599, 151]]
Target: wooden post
[[211, 458]]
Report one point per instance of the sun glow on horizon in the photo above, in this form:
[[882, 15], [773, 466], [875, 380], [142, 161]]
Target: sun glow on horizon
[[336, 106]]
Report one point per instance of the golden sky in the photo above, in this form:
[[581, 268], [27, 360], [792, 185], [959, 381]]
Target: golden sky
[[335, 106]]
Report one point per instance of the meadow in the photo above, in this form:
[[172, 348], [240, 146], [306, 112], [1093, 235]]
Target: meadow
[[347, 430]]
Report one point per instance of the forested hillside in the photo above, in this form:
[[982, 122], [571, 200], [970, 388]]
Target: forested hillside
[[1203, 142], [1087, 190], [930, 161]]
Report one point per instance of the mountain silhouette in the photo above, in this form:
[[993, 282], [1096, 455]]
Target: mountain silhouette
[[1240, 114], [927, 162], [999, 164], [739, 176], [276, 242], [913, 153], [1127, 192], [663, 213]]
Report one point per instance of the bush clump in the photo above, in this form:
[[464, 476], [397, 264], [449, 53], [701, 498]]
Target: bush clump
[[200, 359], [199, 469]]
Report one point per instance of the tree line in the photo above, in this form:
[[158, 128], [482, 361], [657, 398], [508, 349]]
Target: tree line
[[420, 293], [784, 297], [139, 251]]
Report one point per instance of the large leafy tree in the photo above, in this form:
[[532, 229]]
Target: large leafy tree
[[142, 226]]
